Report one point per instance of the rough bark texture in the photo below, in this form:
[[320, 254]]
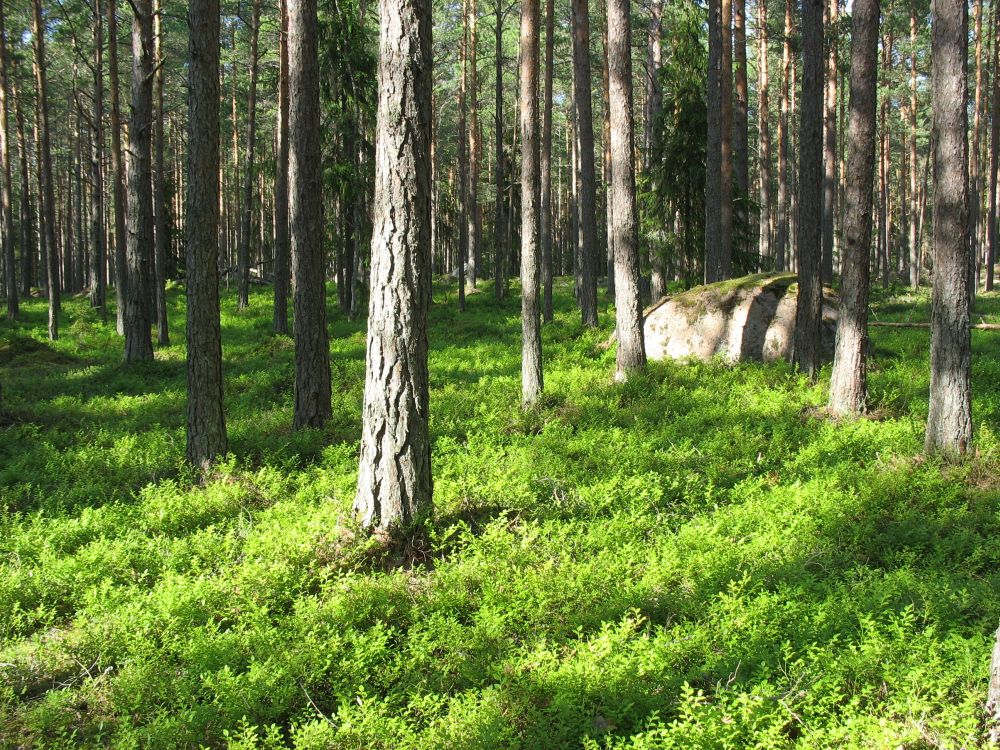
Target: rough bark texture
[[98, 290], [243, 292], [160, 189], [394, 480], [713, 158], [782, 219], [764, 249], [500, 220], [741, 100], [914, 198], [624, 232], [206, 424], [531, 337], [809, 244], [138, 344], [849, 380], [829, 145], [546, 165], [312, 346], [606, 163], [726, 214], [472, 97], [6, 211], [463, 158], [281, 267], [48, 199], [949, 422], [585, 131], [991, 233], [27, 233], [117, 168]]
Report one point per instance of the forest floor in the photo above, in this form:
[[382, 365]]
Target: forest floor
[[698, 558]]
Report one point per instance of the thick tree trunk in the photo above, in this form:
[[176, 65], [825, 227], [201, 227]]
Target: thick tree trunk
[[546, 165], [305, 178], [809, 303], [531, 346], [6, 189], [206, 423], [138, 344], [281, 268], [45, 169], [98, 253], [849, 380], [394, 476], [624, 232], [588, 187], [830, 145], [949, 422], [764, 249], [162, 230], [783, 213]]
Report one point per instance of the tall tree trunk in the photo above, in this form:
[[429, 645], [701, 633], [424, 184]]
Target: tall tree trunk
[[783, 213], [849, 379], [243, 262], [45, 169], [117, 168], [6, 189], [473, 226], [97, 238], [631, 353], [305, 178], [949, 421], [162, 233], [726, 90], [741, 160], [606, 164], [138, 344], [206, 422], [394, 476], [991, 233], [546, 165], [809, 303], [713, 157], [499, 222], [654, 103], [830, 144], [531, 336], [764, 249], [974, 151], [27, 218], [280, 324], [463, 157], [588, 187], [914, 206]]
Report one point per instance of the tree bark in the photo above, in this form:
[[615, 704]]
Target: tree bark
[[849, 379], [606, 163], [394, 479], [48, 199], [783, 212], [500, 222], [281, 268], [809, 302], [305, 177], [531, 337], [546, 165], [991, 233], [949, 421], [588, 187], [162, 228], [473, 225], [741, 160], [830, 145], [98, 254], [27, 233], [624, 232], [713, 157], [246, 217], [6, 189], [914, 205], [463, 157], [206, 423], [117, 169], [764, 249], [138, 344]]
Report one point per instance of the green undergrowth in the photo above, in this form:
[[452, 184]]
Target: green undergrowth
[[697, 558]]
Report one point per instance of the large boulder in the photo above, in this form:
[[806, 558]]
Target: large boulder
[[751, 318]]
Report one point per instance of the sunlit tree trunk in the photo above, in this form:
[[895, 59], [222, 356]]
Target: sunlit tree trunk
[[849, 379], [500, 250], [741, 108], [160, 187], [472, 215], [281, 264], [783, 213], [545, 160], [830, 144], [606, 168], [26, 215], [98, 254], [6, 189], [588, 186], [914, 204], [117, 168], [764, 135]]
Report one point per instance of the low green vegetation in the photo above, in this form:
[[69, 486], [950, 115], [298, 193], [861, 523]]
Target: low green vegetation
[[695, 559]]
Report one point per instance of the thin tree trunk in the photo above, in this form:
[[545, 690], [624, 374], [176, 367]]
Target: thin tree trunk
[[949, 421], [631, 352], [6, 189], [713, 158], [974, 150], [764, 129], [463, 157], [27, 234], [162, 229], [726, 90], [117, 168], [531, 337], [809, 303], [606, 164], [783, 212], [546, 165], [280, 324], [914, 208], [830, 145], [246, 217], [849, 379], [499, 222], [394, 479], [741, 160], [45, 170], [588, 187], [472, 97], [991, 232], [97, 237], [305, 178]]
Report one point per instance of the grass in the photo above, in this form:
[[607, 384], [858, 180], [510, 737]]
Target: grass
[[693, 559]]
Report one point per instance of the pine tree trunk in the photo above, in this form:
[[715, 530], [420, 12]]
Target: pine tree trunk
[[27, 222], [206, 423], [499, 222], [531, 344], [588, 187], [162, 229], [781, 239], [741, 160], [6, 189], [624, 232], [654, 103], [45, 170], [472, 98], [117, 169], [809, 303], [281, 268], [713, 157], [991, 232], [726, 207], [394, 479], [849, 379], [246, 215], [463, 157], [914, 206], [546, 165], [949, 422], [305, 179], [606, 163], [138, 344], [830, 145], [764, 249], [97, 238]]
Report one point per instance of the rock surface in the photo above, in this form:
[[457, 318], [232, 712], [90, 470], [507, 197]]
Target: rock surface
[[751, 318]]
